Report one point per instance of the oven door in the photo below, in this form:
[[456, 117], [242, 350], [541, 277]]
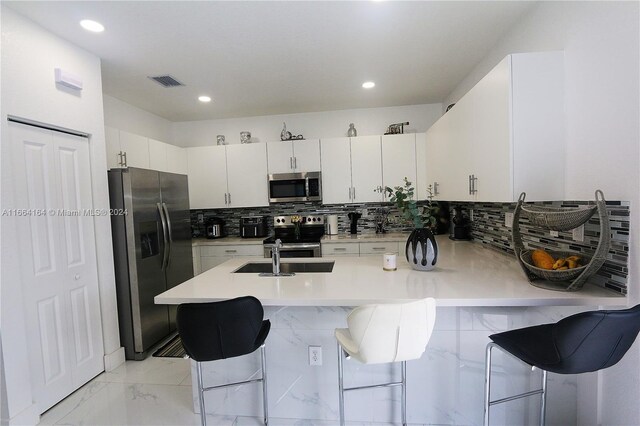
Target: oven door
[[296, 250]]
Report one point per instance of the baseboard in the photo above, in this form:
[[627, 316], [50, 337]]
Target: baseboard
[[30, 416], [114, 359]]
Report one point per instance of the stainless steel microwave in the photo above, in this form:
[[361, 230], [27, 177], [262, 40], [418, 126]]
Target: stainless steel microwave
[[288, 187]]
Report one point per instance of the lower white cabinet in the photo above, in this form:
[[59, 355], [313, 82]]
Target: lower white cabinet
[[211, 256], [340, 249], [378, 248]]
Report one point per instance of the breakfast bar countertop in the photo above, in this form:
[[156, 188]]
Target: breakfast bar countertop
[[467, 274]]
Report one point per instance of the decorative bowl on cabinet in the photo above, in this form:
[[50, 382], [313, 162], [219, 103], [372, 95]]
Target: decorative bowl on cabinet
[[421, 249]]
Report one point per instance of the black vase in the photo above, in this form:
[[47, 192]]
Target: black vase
[[422, 250]]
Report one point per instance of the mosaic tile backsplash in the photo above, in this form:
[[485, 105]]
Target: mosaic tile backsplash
[[488, 227]]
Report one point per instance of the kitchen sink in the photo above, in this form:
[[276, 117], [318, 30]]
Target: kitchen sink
[[286, 268]]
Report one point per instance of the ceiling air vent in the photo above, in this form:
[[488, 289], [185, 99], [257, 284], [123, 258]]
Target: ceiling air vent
[[166, 81]]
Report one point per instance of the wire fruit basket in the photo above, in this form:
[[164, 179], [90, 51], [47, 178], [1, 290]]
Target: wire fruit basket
[[554, 274], [561, 219]]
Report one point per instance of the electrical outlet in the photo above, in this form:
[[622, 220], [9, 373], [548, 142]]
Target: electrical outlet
[[554, 233], [578, 233], [315, 355], [508, 220], [471, 215]]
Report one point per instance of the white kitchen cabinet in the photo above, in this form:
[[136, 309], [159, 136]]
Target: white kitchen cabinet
[[422, 180], [135, 150], [176, 159], [340, 249], [366, 169], [399, 160], [378, 248], [351, 170], [294, 156], [247, 175], [167, 158], [505, 136], [211, 256], [207, 175], [112, 141], [336, 170], [157, 155], [227, 176]]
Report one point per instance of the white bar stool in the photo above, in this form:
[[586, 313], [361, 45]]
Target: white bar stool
[[395, 332]]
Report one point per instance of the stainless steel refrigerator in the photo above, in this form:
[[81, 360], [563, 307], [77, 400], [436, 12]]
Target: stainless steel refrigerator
[[152, 252]]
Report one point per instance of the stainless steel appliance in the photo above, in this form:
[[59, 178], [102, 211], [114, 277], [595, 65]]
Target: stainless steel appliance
[[254, 226], [215, 227], [287, 187], [301, 239], [152, 252]]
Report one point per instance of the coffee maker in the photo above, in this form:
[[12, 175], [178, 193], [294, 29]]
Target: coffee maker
[[460, 229], [353, 217]]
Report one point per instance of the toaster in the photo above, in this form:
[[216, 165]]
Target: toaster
[[254, 226]]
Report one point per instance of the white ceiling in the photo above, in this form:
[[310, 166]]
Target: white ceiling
[[261, 58]]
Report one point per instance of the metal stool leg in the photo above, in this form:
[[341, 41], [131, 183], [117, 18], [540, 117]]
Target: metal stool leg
[[487, 382], [265, 400], [543, 402], [203, 414], [404, 392], [340, 385]]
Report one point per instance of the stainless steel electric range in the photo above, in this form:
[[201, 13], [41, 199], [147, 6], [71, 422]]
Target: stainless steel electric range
[[299, 239]]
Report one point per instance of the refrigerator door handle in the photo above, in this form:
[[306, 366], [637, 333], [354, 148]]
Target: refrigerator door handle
[[164, 236], [169, 232]]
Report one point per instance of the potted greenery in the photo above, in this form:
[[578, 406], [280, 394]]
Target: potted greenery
[[421, 249]]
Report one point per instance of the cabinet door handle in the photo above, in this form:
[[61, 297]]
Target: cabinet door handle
[[470, 189], [435, 188], [225, 199], [119, 154], [295, 162], [229, 198], [354, 193], [291, 162], [379, 248], [473, 184], [125, 158], [339, 249], [349, 193], [231, 251]]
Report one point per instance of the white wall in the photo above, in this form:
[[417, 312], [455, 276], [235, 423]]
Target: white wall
[[29, 56], [601, 45], [123, 116], [369, 121]]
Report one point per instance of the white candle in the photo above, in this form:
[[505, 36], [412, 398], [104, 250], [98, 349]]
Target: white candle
[[389, 262]]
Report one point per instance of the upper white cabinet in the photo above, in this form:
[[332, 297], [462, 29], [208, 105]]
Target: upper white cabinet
[[399, 160], [351, 170], [135, 150], [294, 156], [167, 158], [227, 176], [126, 149], [505, 136]]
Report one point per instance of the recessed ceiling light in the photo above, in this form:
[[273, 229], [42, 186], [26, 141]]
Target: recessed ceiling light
[[90, 25], [204, 99], [368, 84]]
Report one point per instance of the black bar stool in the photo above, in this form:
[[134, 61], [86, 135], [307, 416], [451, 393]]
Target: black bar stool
[[580, 343], [219, 330]]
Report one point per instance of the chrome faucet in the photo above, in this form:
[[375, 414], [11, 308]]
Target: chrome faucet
[[275, 256]]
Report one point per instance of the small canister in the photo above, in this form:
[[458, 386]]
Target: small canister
[[389, 262], [332, 224]]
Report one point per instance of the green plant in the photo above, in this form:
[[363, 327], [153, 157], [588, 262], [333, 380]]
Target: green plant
[[419, 216]]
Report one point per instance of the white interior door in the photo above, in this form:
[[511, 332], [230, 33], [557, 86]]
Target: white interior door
[[58, 261]]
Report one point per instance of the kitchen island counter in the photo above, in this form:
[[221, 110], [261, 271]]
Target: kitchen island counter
[[467, 274]]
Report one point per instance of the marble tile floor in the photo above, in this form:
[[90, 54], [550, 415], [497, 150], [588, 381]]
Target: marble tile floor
[[156, 391]]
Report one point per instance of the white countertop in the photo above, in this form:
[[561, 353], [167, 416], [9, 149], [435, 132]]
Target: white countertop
[[466, 274]]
